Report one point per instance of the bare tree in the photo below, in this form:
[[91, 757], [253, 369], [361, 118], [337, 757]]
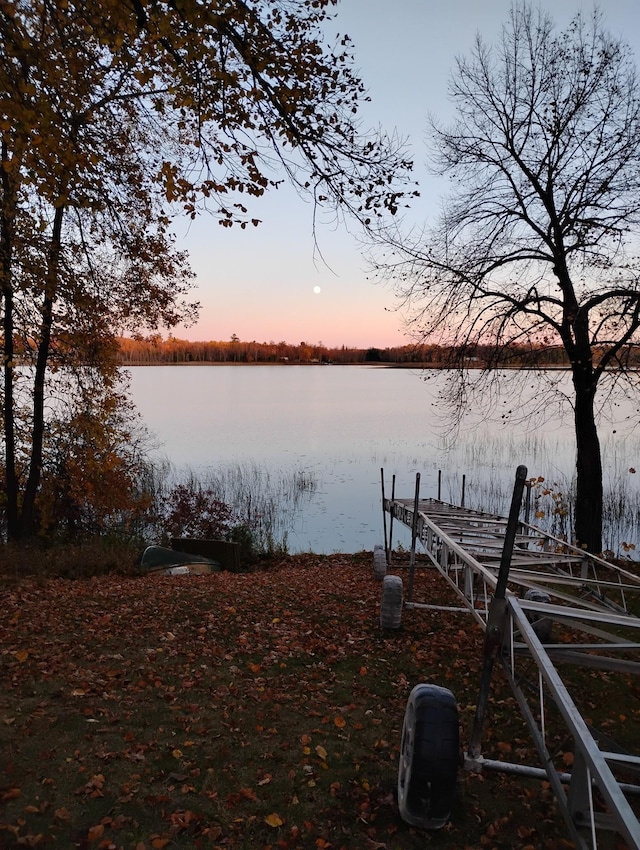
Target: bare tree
[[535, 246]]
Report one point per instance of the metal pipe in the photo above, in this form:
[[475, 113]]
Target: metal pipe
[[510, 533], [497, 615], [384, 516], [393, 498], [414, 526], [532, 772], [425, 607]]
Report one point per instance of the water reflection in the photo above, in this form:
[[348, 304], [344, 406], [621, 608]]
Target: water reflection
[[341, 424]]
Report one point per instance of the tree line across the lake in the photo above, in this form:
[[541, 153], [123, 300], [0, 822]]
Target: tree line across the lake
[[154, 350]]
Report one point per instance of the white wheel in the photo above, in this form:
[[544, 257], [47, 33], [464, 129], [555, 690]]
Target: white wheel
[[542, 626], [429, 757], [391, 604], [379, 562]]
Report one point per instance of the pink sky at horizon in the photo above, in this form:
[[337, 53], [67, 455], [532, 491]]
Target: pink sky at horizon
[[271, 286], [262, 283]]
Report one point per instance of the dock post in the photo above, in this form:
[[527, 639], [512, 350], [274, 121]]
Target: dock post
[[496, 619], [393, 498], [414, 527], [384, 517]]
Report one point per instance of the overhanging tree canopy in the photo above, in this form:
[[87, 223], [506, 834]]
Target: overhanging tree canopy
[[113, 115], [538, 242]]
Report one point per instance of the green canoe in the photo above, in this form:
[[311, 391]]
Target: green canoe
[[160, 559]]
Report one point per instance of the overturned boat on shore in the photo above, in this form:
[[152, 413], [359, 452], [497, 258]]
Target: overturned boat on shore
[[169, 562]]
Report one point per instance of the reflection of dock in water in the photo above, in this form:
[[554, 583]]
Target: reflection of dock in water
[[541, 603]]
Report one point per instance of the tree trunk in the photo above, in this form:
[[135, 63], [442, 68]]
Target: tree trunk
[[10, 477], [588, 506], [576, 337], [6, 255], [28, 518]]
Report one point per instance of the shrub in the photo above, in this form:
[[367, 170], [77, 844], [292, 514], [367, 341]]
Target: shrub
[[193, 511]]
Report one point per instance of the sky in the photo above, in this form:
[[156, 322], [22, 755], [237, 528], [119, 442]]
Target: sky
[[270, 283]]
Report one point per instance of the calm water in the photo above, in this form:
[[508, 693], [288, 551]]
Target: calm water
[[341, 425]]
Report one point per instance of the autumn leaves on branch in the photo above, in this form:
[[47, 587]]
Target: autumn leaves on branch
[[114, 117]]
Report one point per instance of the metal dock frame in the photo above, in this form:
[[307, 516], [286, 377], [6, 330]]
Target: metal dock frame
[[589, 596]]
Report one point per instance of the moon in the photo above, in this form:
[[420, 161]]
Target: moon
[[316, 290]]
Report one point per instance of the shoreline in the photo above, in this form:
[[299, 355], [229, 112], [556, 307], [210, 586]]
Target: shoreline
[[439, 367]]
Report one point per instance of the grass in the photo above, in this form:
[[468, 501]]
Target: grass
[[85, 559], [260, 710]]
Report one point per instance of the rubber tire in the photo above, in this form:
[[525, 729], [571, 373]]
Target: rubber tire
[[379, 562], [542, 626], [429, 757], [391, 603]]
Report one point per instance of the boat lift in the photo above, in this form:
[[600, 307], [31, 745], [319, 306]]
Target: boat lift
[[540, 602]]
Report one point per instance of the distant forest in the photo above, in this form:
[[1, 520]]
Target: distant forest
[[153, 350]]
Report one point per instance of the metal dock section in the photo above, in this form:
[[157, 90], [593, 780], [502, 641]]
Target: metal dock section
[[559, 606]]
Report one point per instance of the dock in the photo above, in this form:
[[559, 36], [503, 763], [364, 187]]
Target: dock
[[543, 603]]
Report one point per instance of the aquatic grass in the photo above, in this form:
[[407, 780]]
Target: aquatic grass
[[264, 502], [551, 506], [483, 463]]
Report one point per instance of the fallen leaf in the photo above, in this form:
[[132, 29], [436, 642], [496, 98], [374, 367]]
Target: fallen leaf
[[95, 832], [248, 794], [10, 794], [62, 814], [30, 840], [274, 820]]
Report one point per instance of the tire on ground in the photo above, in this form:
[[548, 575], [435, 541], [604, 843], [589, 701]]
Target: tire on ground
[[429, 757], [541, 625], [379, 562], [391, 603]]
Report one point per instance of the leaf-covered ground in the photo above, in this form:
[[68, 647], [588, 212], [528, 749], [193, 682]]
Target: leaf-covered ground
[[259, 710]]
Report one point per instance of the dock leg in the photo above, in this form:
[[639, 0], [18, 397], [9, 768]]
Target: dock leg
[[414, 534], [393, 497], [496, 620], [384, 517]]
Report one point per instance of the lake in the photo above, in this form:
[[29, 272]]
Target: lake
[[335, 427]]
